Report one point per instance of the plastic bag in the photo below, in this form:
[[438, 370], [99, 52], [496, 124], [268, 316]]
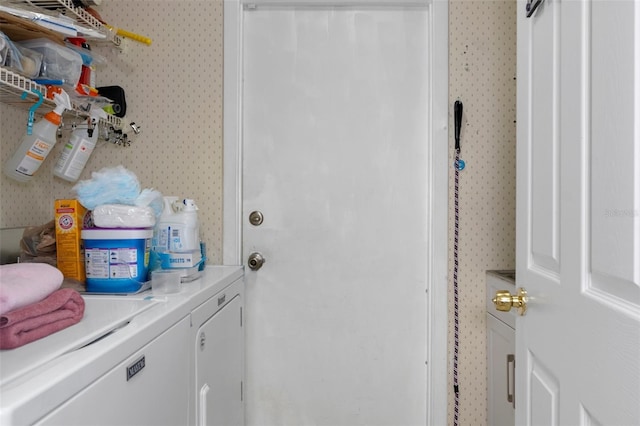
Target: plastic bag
[[115, 185], [38, 244], [151, 198], [123, 216]]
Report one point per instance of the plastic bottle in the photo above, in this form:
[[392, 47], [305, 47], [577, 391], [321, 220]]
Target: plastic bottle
[[34, 148], [189, 213], [177, 229], [76, 152], [160, 240]]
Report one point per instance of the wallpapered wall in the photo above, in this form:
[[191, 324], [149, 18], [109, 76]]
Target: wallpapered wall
[[482, 70], [174, 91]]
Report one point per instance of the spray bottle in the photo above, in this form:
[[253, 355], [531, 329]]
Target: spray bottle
[[76, 152], [35, 147]]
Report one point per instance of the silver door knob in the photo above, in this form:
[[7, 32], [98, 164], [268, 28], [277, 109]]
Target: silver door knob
[[255, 261]]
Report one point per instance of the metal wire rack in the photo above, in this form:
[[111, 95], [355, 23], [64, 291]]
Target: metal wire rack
[[14, 86], [66, 7]]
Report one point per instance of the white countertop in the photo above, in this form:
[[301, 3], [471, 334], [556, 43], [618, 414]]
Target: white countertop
[[67, 361]]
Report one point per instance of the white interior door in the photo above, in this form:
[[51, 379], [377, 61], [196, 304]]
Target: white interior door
[[578, 249], [338, 155]]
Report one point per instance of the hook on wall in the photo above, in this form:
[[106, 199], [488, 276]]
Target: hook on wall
[[459, 164], [32, 110]]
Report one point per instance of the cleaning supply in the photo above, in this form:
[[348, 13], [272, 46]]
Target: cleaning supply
[[176, 239], [75, 154], [71, 218], [177, 229], [34, 148], [116, 260]]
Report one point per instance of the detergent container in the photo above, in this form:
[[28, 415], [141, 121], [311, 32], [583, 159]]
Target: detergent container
[[116, 260], [176, 241], [177, 229]]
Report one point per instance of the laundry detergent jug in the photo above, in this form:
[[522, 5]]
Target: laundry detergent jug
[[177, 230]]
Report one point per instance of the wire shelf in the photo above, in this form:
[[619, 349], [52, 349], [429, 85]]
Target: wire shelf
[[19, 91], [79, 14], [14, 85]]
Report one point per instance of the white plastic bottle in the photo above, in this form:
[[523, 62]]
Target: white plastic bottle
[[160, 241], [191, 234], [35, 148], [76, 152], [177, 229]]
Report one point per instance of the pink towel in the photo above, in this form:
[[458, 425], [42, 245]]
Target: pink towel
[[61, 309], [22, 284]]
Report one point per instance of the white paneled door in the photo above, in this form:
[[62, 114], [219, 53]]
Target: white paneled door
[[338, 197], [578, 249]]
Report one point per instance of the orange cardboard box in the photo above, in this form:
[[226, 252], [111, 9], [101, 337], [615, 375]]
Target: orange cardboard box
[[70, 217]]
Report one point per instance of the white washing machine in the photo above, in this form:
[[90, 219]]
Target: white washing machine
[[177, 359]]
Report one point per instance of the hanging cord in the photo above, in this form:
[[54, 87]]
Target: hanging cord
[[458, 166]]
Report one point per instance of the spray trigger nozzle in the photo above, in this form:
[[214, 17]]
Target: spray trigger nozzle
[[62, 102]]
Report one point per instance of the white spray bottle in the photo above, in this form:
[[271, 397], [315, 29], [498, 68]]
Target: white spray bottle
[[76, 152], [34, 148]]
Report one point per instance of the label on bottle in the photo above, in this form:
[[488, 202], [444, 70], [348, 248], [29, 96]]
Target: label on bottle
[[111, 263], [176, 237], [34, 157]]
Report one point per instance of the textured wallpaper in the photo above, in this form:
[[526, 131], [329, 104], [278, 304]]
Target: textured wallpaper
[[482, 71], [174, 92]]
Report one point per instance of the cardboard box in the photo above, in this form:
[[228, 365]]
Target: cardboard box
[[70, 217]]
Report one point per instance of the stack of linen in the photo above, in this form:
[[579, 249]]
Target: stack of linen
[[32, 304]]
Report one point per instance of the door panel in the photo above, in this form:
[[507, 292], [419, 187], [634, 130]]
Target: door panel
[[335, 151], [543, 398], [580, 337], [545, 181], [614, 154]]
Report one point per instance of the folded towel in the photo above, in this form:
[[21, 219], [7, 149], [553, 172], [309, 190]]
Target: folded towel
[[59, 310], [22, 284]]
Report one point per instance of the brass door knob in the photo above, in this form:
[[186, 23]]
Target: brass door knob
[[504, 301]]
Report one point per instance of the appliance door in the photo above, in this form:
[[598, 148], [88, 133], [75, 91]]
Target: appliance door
[[129, 393], [501, 347], [219, 365]]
